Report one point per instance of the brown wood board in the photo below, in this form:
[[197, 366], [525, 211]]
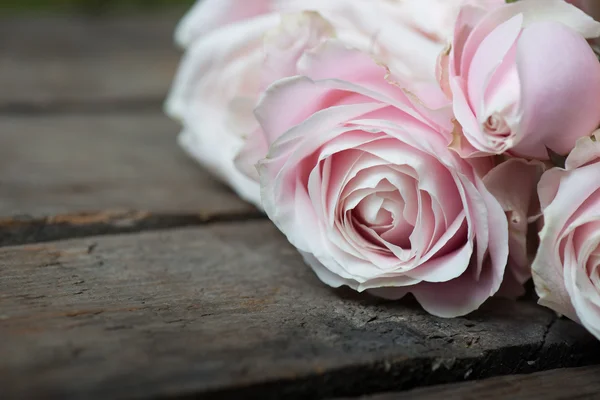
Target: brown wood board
[[76, 175], [230, 311], [50, 63]]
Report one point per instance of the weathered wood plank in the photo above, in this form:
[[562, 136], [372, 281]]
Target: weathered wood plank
[[65, 62], [230, 311], [563, 384], [64, 176]]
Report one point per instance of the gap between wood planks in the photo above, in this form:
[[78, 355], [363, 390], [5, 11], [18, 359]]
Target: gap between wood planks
[[74, 175], [26, 230]]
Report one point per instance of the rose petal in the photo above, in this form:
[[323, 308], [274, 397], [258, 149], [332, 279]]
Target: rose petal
[[550, 49]]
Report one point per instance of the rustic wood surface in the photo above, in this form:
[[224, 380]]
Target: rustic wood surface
[[80, 174], [560, 384], [223, 310], [85, 148], [65, 63], [230, 310]]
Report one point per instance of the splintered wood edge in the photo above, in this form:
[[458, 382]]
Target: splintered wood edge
[[27, 230]]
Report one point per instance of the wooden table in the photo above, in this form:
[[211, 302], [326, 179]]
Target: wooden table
[[126, 271]]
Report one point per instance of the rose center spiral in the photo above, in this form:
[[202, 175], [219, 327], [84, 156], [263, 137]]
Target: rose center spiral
[[379, 218], [496, 125]]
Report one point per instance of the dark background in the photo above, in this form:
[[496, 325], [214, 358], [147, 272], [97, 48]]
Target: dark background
[[90, 6]]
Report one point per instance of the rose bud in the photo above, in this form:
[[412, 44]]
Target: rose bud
[[522, 78]]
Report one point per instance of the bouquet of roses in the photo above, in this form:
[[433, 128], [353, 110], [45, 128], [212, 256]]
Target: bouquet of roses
[[444, 148]]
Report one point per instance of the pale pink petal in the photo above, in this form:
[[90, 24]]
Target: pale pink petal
[[586, 150], [220, 163], [477, 145], [563, 290], [546, 50], [325, 275], [213, 60], [285, 45], [253, 150], [208, 15], [468, 18], [437, 269], [562, 193], [459, 296], [369, 78], [488, 56], [533, 11]]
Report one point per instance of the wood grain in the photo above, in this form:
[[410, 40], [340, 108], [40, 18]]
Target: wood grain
[[73, 175], [560, 384], [230, 311], [69, 62]]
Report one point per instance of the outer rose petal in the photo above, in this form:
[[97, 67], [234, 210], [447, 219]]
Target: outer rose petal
[[549, 49], [213, 95], [254, 148], [285, 45], [547, 268], [208, 15]]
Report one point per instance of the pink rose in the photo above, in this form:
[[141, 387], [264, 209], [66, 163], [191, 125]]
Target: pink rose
[[228, 64], [523, 78], [566, 270], [362, 182]]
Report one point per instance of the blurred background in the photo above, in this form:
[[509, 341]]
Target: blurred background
[[91, 7], [82, 126], [87, 54]]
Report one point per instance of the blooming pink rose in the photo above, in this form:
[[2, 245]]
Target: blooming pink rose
[[523, 78], [228, 64], [362, 182], [566, 270]]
